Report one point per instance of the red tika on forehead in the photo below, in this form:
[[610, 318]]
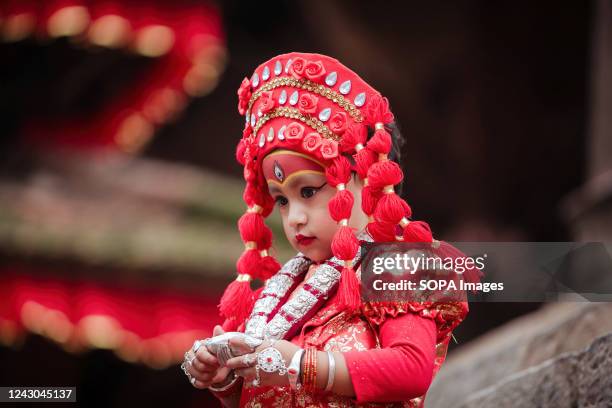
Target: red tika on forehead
[[280, 166]]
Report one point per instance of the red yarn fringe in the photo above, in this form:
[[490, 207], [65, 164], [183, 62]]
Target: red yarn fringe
[[391, 209], [369, 199], [377, 111], [355, 134], [345, 244], [381, 142], [349, 292], [338, 172], [237, 301], [417, 231], [384, 173], [363, 160], [381, 232], [268, 267], [341, 205]]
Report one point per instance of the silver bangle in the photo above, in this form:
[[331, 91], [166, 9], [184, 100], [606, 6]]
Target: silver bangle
[[331, 371], [293, 371], [227, 386]]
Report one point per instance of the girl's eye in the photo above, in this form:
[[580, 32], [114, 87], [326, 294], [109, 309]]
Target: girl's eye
[[281, 201], [308, 192]]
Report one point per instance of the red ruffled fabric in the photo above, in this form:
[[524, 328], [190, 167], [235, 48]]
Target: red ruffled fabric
[[446, 315]]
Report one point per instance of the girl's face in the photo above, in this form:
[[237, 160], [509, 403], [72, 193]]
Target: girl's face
[[301, 192]]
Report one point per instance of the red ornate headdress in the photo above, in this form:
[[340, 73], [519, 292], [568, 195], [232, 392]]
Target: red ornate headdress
[[313, 104]]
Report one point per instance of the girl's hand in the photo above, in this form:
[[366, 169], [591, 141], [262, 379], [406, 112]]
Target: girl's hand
[[204, 368], [244, 365]]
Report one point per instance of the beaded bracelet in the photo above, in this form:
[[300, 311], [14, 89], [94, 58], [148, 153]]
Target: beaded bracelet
[[309, 380]]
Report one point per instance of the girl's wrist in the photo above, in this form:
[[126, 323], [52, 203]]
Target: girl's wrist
[[226, 384]]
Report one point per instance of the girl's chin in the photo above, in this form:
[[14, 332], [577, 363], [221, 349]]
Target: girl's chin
[[314, 254]]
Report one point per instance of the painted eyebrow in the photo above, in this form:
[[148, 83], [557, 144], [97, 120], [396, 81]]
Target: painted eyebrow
[[300, 179], [273, 188]]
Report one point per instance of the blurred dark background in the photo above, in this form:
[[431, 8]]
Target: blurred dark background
[[492, 98]]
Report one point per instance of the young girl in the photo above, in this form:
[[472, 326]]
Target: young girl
[[318, 143]]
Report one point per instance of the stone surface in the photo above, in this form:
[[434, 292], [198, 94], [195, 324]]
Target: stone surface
[[516, 348], [582, 378]]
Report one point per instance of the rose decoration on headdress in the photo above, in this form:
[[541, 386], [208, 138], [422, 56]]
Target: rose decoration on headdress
[[297, 67], [294, 132], [329, 149], [307, 104], [311, 142], [337, 123], [314, 70], [244, 94], [266, 102]]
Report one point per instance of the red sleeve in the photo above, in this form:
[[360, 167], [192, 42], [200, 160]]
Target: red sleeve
[[403, 368]]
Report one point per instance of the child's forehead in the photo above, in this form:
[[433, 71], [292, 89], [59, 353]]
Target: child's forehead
[[281, 167]]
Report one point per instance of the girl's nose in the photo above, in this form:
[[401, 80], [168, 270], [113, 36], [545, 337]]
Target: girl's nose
[[297, 216]]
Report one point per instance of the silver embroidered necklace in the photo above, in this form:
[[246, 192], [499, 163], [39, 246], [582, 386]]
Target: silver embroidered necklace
[[274, 317]]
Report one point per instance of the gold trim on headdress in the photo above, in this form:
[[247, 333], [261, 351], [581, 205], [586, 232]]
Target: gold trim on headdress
[[309, 86], [294, 113]]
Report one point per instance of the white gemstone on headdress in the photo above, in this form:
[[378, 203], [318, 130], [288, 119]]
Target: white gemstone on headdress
[[283, 97], [281, 133], [345, 88], [331, 79], [253, 119], [325, 114], [293, 99], [278, 172], [259, 114], [247, 118], [266, 73], [287, 66], [278, 68], [270, 135], [255, 80], [360, 99], [262, 140]]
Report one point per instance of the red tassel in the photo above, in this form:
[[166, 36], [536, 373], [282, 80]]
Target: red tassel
[[369, 199], [268, 266], [381, 232], [363, 160], [341, 205], [355, 134], [345, 244], [240, 152], [349, 291], [252, 227], [233, 323], [377, 111], [237, 301], [391, 209], [251, 195], [264, 241], [381, 142], [248, 262], [384, 173], [417, 231], [338, 172]]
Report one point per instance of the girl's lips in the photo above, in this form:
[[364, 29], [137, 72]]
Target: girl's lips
[[303, 240]]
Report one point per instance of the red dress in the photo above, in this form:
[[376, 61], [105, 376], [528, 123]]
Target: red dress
[[392, 351]]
